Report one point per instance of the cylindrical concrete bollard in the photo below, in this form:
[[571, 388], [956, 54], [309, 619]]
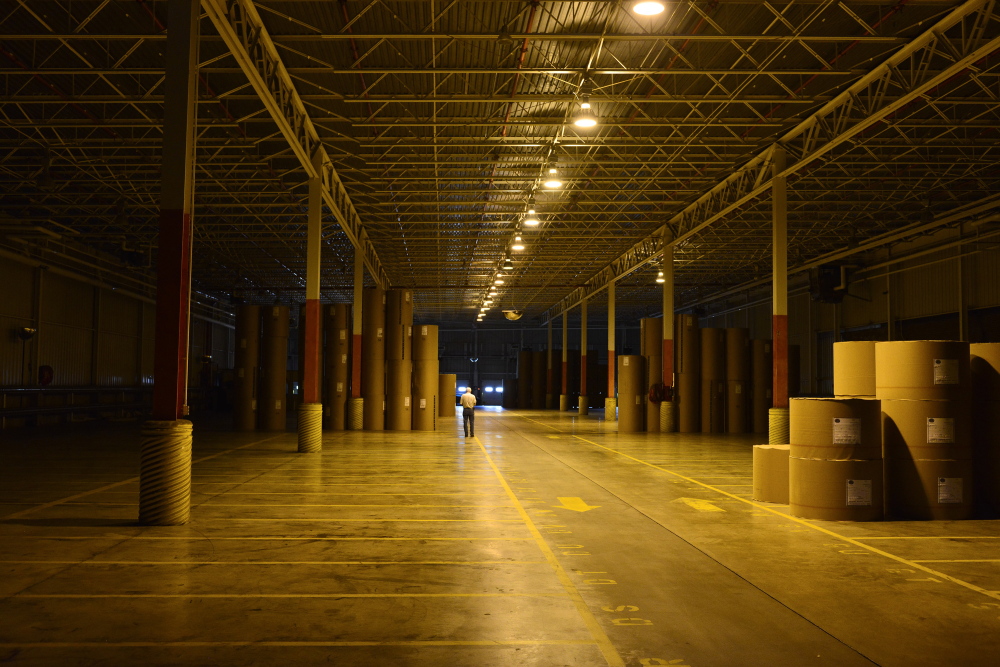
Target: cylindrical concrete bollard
[[563, 403], [611, 409], [668, 417], [246, 369], [373, 363], [631, 396], [337, 366], [447, 389], [165, 473], [310, 428], [273, 407]]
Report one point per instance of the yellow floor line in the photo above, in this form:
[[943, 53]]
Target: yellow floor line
[[37, 508], [608, 650], [932, 537], [272, 562], [199, 538], [957, 560], [208, 503], [274, 596], [825, 531], [304, 644]]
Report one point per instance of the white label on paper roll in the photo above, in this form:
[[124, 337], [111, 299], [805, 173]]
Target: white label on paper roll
[[846, 431], [946, 371], [343, 358], [859, 492], [624, 361], [277, 404], [343, 334], [409, 331], [940, 430], [340, 387], [423, 330], [638, 400], [406, 401], [739, 389], [423, 403], [378, 333], [406, 296], [949, 490]]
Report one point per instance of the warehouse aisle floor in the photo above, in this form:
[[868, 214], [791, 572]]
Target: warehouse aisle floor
[[547, 540]]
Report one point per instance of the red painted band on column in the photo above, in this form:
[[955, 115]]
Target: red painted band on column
[[173, 296], [565, 377], [779, 348], [668, 369], [583, 374], [311, 354], [356, 366], [611, 373]]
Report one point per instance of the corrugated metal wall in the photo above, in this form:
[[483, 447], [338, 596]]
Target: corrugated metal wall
[[79, 321]]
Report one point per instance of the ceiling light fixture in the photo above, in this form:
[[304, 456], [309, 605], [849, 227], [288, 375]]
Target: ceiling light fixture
[[531, 220], [586, 118], [507, 265], [498, 281], [518, 244], [660, 278], [648, 8], [553, 181]]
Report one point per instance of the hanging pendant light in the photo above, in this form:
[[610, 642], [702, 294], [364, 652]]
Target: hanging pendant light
[[586, 118], [553, 179], [646, 8], [518, 244]]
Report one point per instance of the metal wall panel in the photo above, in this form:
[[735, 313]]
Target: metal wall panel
[[926, 290], [867, 303], [18, 292], [67, 302], [116, 360], [982, 279], [119, 314], [12, 365], [68, 350], [148, 340]]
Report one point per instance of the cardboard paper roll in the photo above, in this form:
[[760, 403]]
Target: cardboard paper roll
[[835, 490], [770, 473], [246, 370], [737, 354], [713, 354], [630, 393], [713, 406], [688, 399], [273, 406], [524, 368], [447, 390], [985, 365], [835, 428], [854, 368], [373, 358], [425, 395], [651, 336], [762, 377], [539, 370], [687, 345], [399, 395], [922, 369], [737, 395], [926, 429], [399, 324], [925, 490], [425, 342], [337, 366]]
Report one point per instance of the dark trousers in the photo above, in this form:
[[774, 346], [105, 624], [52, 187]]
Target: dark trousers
[[469, 419]]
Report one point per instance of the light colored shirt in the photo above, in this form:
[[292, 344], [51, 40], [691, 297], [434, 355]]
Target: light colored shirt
[[468, 400]]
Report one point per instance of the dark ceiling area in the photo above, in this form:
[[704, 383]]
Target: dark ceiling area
[[441, 121]]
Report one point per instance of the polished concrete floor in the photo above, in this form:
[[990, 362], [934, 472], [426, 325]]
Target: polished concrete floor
[[548, 539]]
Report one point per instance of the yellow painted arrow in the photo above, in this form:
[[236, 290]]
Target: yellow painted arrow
[[700, 505], [575, 504]]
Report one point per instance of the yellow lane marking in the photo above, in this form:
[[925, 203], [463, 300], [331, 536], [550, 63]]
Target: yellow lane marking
[[932, 537], [485, 642], [957, 560], [18, 515], [335, 519], [324, 493], [699, 504], [197, 538], [608, 650], [575, 504], [276, 596], [272, 562], [899, 559]]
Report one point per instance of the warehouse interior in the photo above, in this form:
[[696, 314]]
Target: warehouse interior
[[253, 251]]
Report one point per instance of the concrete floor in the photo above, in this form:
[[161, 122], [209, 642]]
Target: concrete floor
[[547, 540]]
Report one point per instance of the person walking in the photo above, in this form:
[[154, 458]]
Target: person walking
[[468, 401]]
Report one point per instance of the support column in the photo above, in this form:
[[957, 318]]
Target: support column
[[668, 421], [311, 408], [610, 401], [564, 396], [165, 450], [584, 408], [549, 375], [356, 404], [778, 415]]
